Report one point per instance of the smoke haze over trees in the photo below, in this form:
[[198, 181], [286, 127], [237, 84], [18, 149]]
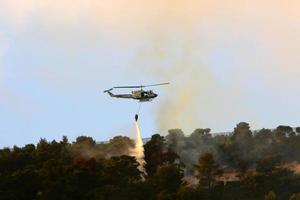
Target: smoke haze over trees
[[245, 164], [242, 146]]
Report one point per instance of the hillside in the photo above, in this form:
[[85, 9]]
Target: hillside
[[239, 165]]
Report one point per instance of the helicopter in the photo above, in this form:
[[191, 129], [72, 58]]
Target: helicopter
[[140, 95]]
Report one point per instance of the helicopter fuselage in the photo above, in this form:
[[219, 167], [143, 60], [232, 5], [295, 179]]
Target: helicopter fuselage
[[141, 95]]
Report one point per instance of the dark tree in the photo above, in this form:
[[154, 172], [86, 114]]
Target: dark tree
[[207, 171], [168, 178], [157, 154]]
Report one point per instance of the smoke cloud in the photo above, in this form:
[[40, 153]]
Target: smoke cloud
[[88, 148], [224, 63], [227, 61]]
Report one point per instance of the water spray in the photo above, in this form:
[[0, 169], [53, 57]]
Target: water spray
[[138, 151], [139, 147]]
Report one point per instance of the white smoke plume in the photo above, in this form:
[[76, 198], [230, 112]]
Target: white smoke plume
[[138, 151], [218, 55]]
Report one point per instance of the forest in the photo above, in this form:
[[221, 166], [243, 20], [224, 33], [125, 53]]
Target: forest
[[242, 165]]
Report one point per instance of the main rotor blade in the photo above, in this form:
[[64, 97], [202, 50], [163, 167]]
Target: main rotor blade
[[141, 86], [155, 84], [128, 87]]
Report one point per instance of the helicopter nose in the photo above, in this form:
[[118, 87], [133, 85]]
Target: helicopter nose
[[155, 95]]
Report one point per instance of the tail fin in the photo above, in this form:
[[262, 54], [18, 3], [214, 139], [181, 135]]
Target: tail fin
[[108, 90]]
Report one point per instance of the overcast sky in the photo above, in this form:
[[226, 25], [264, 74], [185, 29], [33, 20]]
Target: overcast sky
[[227, 61]]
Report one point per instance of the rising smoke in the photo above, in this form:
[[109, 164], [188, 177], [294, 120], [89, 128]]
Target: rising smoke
[[218, 55], [227, 61], [220, 61], [195, 95]]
